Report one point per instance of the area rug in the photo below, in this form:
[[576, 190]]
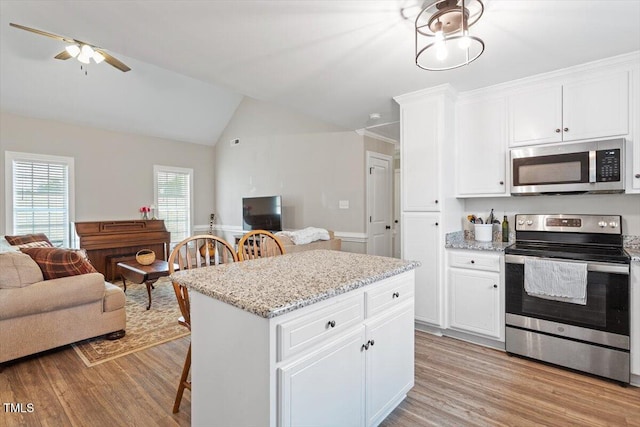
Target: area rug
[[145, 328]]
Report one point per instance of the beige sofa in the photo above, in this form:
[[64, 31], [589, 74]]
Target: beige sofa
[[37, 314], [332, 244]]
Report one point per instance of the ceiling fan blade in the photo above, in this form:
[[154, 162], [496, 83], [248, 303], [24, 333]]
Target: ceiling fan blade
[[42, 33], [113, 61], [63, 55]]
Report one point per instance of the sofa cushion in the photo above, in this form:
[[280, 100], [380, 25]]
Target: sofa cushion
[[50, 295], [56, 263], [26, 239], [114, 298], [18, 270]]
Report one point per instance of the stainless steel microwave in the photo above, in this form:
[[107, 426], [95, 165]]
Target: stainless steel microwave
[[587, 167]]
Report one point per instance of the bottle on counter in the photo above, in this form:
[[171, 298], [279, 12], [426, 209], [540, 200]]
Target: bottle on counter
[[505, 229]]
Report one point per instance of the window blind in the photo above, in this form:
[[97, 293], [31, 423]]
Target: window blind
[[41, 199], [174, 202]]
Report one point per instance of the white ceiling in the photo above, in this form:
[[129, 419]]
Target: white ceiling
[[333, 60]]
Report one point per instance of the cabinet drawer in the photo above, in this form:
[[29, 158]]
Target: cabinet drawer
[[475, 260], [311, 329], [391, 294]]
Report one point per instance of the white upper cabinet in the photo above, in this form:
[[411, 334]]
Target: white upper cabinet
[[419, 156], [535, 116], [586, 108], [481, 147]]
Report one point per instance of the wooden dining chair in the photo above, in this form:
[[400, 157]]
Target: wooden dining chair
[[259, 244], [194, 252]]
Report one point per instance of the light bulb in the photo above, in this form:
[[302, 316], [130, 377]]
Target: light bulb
[[73, 50], [439, 36], [87, 50], [83, 58], [98, 57]]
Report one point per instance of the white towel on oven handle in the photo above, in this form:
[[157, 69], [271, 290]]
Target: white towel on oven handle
[[556, 280]]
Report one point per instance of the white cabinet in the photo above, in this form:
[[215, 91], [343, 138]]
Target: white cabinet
[[635, 319], [429, 206], [590, 107], [325, 386], [389, 362], [359, 375], [481, 147], [421, 242], [476, 293], [419, 156]]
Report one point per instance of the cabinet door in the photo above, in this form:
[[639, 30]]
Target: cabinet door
[[421, 242], [419, 156], [596, 108], [389, 361], [635, 317], [325, 388], [535, 116], [481, 147], [474, 301]]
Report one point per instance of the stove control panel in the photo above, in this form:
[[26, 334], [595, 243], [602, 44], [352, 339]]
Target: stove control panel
[[568, 223]]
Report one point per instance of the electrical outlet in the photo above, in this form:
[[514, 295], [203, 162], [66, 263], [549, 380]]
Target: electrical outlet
[[343, 204], [234, 142]]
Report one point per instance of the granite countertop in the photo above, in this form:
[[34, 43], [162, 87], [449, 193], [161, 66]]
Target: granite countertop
[[456, 240], [270, 287], [634, 253]]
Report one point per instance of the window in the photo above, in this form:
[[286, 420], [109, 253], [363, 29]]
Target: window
[[40, 195], [173, 187]]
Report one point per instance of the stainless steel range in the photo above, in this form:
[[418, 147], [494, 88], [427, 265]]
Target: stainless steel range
[[567, 293]]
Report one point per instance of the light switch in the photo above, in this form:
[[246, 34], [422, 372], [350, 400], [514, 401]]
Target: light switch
[[343, 204]]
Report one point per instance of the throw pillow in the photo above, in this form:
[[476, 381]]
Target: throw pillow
[[18, 270], [56, 263], [29, 239]]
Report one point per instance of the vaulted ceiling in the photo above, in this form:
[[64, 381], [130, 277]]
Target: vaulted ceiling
[[337, 61]]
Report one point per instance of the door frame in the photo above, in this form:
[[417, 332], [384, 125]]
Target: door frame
[[370, 197]]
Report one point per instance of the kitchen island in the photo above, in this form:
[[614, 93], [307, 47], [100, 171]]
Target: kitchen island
[[310, 338]]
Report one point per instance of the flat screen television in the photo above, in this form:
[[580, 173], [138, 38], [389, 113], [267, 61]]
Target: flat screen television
[[262, 213]]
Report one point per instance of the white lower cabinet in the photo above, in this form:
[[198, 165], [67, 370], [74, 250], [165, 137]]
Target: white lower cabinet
[[389, 362], [325, 386], [357, 376], [476, 295], [421, 242]]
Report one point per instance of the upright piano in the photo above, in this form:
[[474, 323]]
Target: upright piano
[[109, 242]]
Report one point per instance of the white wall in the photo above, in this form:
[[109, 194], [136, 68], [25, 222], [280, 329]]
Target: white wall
[[627, 205], [113, 171], [311, 164]]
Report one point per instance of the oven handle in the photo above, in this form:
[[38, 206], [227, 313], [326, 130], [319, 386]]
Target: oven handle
[[601, 267]]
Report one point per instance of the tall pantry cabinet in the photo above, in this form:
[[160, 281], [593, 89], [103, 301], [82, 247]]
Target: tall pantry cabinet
[[429, 208]]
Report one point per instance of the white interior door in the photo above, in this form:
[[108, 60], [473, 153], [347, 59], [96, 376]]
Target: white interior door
[[379, 204], [397, 233]]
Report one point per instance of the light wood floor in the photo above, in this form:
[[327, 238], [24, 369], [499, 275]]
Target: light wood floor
[[457, 384]]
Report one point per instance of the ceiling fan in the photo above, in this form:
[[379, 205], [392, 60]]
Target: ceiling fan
[[83, 51]]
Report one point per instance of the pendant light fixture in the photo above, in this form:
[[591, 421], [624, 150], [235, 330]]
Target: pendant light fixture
[[443, 41]]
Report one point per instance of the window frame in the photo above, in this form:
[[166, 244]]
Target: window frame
[[174, 169], [13, 156]]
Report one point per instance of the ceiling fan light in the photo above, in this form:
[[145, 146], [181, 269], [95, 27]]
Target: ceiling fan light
[[98, 57], [73, 50], [87, 50], [83, 58]]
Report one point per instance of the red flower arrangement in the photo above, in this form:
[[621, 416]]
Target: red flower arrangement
[[144, 210]]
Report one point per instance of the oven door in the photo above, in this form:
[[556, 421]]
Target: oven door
[[606, 310]]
